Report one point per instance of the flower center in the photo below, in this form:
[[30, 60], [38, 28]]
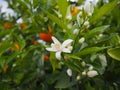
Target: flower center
[[57, 46]]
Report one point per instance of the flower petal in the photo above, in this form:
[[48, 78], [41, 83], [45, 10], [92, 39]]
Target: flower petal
[[55, 40], [66, 50], [51, 49], [66, 43], [58, 55]]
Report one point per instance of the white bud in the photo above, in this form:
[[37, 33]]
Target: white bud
[[69, 25], [76, 31], [92, 73], [81, 40], [59, 15], [45, 19], [90, 68], [87, 24], [69, 72], [84, 73], [14, 65], [69, 17], [89, 14], [100, 35], [78, 77], [83, 64]]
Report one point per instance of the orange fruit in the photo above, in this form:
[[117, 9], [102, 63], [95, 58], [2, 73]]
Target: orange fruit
[[23, 25], [74, 10], [45, 37]]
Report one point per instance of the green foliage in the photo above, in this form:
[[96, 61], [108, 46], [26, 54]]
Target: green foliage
[[89, 62]]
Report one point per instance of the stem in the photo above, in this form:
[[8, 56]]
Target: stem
[[76, 38]]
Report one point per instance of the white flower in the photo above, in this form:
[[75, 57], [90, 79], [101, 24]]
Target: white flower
[[81, 40], [58, 47], [88, 8], [69, 72], [92, 73]]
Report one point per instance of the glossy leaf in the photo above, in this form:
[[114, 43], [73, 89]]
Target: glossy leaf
[[63, 4], [4, 46], [103, 10], [90, 50], [56, 20], [95, 31], [114, 53]]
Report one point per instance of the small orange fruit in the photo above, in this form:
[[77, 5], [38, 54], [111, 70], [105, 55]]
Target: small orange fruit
[[7, 25], [46, 57], [74, 10], [34, 42], [17, 46], [5, 68], [23, 25], [45, 37]]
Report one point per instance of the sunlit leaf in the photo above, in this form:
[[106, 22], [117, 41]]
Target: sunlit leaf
[[95, 31], [63, 4], [56, 20], [103, 10], [90, 50], [114, 53]]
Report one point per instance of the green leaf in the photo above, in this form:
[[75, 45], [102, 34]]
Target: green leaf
[[73, 56], [54, 61], [114, 53], [4, 46], [103, 11], [90, 50], [56, 20], [63, 81], [20, 40], [95, 31], [63, 4], [18, 78]]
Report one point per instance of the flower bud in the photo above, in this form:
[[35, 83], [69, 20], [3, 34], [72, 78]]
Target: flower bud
[[92, 73], [78, 77], [75, 31], [69, 72], [84, 73], [83, 64], [81, 40], [90, 68], [87, 24], [69, 17]]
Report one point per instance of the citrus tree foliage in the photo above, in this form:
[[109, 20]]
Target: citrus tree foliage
[[60, 45]]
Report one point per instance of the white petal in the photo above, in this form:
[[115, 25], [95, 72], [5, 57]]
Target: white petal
[[66, 43], [58, 55], [92, 73], [87, 7], [66, 50], [55, 40], [51, 49], [69, 72]]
